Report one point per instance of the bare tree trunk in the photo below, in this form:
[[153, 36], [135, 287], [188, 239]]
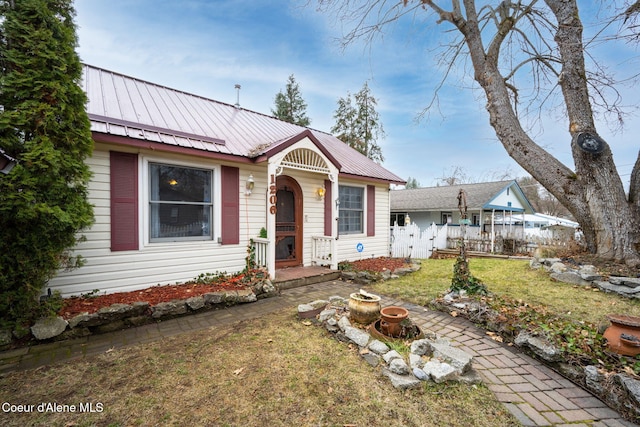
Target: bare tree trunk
[[594, 192]]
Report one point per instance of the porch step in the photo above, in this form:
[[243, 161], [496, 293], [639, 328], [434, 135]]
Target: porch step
[[303, 276]]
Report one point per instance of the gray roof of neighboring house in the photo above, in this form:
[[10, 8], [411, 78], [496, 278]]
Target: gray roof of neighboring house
[[128, 107], [446, 197]]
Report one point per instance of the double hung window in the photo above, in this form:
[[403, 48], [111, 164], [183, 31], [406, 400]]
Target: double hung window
[[180, 203], [351, 210]]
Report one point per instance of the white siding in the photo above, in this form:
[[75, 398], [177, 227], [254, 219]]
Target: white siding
[[177, 262], [158, 263], [374, 246]]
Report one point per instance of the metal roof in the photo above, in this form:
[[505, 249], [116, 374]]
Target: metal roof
[[124, 106], [446, 197]]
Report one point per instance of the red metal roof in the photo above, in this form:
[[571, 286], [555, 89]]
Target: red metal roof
[[128, 107]]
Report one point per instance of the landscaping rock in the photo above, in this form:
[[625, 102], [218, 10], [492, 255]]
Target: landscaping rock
[[85, 320], [539, 345], [558, 267], [631, 282], [622, 290], [268, 290], [326, 314], [457, 358], [391, 355], [420, 374], [172, 308], [440, 372], [245, 295], [421, 347], [117, 312], [378, 347], [402, 382], [48, 327], [631, 389], [399, 366], [195, 303], [332, 325], [470, 378], [589, 273], [593, 379], [214, 298], [358, 336], [344, 323], [372, 359], [415, 361], [570, 277]]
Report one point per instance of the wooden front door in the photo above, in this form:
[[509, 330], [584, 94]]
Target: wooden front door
[[288, 222]]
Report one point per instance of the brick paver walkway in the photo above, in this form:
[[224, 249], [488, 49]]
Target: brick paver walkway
[[535, 394]]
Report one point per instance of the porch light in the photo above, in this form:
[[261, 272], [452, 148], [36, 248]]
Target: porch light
[[320, 192], [6, 162], [250, 185]]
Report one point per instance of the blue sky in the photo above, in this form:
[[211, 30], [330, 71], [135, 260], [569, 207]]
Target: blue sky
[[206, 47]]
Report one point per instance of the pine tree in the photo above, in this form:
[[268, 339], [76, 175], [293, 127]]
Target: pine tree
[[358, 123], [290, 107], [44, 125]]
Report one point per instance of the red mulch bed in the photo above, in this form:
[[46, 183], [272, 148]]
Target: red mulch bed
[[379, 265], [157, 294], [154, 295]]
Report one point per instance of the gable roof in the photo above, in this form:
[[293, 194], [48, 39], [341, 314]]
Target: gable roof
[[123, 106], [479, 196]]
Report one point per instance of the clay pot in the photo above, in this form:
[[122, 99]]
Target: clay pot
[[623, 336], [364, 308], [390, 318]]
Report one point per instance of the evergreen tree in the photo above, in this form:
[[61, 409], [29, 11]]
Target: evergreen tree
[[43, 124], [412, 183], [358, 123], [290, 107]]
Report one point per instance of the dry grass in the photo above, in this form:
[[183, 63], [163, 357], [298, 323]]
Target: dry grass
[[273, 371], [512, 278]]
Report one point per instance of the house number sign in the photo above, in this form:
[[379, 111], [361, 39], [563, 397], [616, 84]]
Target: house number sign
[[272, 195]]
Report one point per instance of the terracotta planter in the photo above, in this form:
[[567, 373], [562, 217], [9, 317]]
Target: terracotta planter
[[364, 307], [390, 318], [623, 336]]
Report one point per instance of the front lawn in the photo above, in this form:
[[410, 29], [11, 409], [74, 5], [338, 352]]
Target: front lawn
[[272, 371], [513, 279]]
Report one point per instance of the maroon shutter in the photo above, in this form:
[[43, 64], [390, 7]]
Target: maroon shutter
[[124, 201], [230, 233], [328, 220], [371, 210]]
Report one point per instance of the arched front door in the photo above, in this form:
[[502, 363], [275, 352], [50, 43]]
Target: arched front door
[[288, 222]]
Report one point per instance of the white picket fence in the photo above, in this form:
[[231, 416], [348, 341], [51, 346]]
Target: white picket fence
[[410, 242]]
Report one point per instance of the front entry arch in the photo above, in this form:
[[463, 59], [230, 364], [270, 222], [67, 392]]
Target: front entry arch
[[288, 222]]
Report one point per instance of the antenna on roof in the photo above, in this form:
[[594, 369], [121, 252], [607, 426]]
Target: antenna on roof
[[237, 86]]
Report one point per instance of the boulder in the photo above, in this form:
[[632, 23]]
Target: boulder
[[378, 347], [570, 277], [195, 303], [48, 327], [539, 345]]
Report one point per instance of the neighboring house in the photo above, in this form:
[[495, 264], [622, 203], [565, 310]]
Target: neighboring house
[[439, 205], [542, 225], [182, 184]]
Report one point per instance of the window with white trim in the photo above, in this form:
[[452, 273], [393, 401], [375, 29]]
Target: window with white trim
[[180, 203], [351, 210]]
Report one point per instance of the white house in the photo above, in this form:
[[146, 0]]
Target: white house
[[485, 202], [182, 184]]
